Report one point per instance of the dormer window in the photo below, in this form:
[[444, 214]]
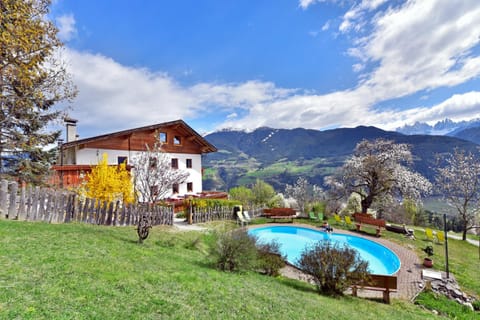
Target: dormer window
[[177, 140]]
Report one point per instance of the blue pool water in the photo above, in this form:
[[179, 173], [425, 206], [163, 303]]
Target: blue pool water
[[293, 241]]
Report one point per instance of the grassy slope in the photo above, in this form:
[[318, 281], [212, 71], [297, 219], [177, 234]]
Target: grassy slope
[[79, 271]]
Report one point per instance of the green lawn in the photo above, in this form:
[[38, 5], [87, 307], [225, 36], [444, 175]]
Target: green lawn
[[76, 271]]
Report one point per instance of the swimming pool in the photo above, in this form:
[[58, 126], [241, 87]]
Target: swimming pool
[[293, 240]]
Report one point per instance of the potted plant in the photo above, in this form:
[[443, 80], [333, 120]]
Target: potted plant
[[427, 261]]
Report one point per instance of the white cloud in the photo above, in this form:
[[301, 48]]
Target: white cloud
[[416, 47], [304, 4], [458, 107], [355, 17], [357, 67], [422, 45], [114, 97], [326, 26], [232, 115], [66, 27]]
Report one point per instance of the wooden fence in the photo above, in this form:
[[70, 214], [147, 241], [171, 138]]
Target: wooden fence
[[211, 214], [200, 215], [60, 206]]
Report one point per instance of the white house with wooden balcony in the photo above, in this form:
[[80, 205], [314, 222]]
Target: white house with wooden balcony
[[183, 145]]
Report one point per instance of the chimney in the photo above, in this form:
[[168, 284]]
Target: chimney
[[71, 125]]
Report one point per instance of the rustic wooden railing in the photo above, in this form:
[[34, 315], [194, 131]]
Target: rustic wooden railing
[[60, 206], [206, 214], [211, 214]]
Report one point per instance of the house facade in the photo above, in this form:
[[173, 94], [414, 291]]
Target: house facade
[[179, 141]]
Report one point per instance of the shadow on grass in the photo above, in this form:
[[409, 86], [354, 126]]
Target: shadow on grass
[[205, 264], [298, 285]]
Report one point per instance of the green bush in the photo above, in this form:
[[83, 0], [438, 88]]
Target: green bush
[[270, 259], [234, 250], [334, 268], [180, 215]]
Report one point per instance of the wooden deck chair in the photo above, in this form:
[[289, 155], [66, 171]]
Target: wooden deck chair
[[440, 235], [429, 234], [338, 220], [312, 216], [348, 221]]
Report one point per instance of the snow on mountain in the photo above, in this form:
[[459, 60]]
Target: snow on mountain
[[445, 127]]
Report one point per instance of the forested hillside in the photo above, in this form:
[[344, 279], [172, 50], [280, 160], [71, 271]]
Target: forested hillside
[[279, 156]]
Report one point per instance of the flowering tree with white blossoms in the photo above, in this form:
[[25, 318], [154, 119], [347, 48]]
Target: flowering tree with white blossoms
[[378, 172], [154, 176], [303, 192], [459, 182]]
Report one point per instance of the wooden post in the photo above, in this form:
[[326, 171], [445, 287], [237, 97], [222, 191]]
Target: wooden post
[[49, 207], [3, 199], [108, 221], [35, 204], [28, 209], [21, 206], [12, 206]]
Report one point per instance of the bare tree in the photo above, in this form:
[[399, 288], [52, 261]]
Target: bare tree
[[459, 182], [378, 172], [154, 175]]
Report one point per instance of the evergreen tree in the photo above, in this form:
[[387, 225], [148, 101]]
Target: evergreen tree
[[32, 81]]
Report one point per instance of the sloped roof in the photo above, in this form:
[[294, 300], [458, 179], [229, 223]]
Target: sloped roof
[[177, 124]]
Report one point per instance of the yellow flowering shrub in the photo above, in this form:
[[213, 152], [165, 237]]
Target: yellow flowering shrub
[[109, 183]]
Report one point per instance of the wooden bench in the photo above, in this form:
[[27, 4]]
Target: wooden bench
[[377, 282], [362, 219], [280, 214]]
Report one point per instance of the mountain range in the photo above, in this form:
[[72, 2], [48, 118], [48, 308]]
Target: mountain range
[[468, 130], [280, 156]]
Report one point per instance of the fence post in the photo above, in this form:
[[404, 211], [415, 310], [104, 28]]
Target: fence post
[[3, 198], [22, 215], [12, 208], [35, 204], [28, 204]]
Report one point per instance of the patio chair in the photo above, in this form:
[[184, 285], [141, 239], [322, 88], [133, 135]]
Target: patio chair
[[348, 221], [440, 235], [312, 216], [320, 216], [338, 220], [247, 216], [429, 234], [241, 219]]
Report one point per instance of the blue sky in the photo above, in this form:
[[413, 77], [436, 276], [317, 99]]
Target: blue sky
[[241, 64]]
